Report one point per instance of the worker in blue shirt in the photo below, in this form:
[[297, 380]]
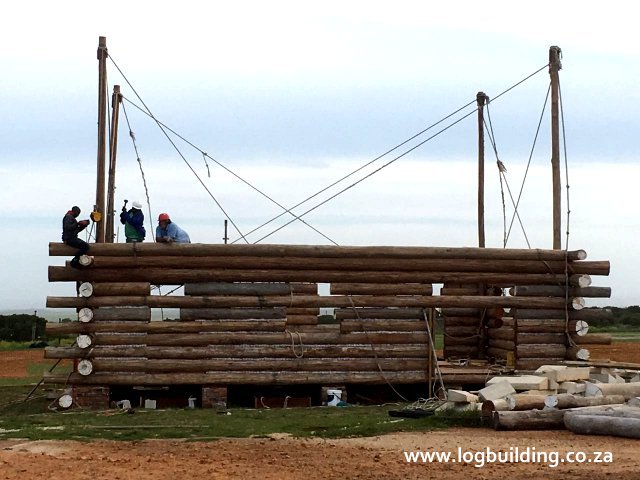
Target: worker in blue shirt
[[167, 231]]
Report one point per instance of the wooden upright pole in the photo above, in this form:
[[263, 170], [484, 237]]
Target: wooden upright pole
[[481, 97], [554, 68], [116, 98], [98, 214]]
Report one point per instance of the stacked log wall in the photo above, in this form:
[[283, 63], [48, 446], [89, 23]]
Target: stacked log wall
[[244, 334]]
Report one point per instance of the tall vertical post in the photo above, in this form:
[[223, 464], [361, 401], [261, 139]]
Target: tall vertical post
[[226, 236], [98, 210], [481, 98], [116, 98], [554, 69]]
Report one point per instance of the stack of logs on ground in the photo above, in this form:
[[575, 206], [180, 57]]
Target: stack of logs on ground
[[248, 314]]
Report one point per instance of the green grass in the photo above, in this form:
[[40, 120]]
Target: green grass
[[33, 420], [6, 346]]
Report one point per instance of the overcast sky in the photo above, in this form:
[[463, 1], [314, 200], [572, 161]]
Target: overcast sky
[[292, 96]]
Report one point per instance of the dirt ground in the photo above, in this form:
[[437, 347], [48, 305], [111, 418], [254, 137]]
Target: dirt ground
[[283, 458]]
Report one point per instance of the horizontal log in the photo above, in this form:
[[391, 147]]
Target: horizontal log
[[258, 364], [378, 313], [502, 344], [529, 420], [460, 351], [376, 325], [460, 291], [503, 333], [543, 326], [243, 351], [593, 339], [232, 313], [461, 322], [577, 353], [533, 363], [534, 350], [117, 314], [496, 352], [236, 338], [453, 341], [560, 291], [167, 327], [118, 288], [302, 320], [197, 249], [603, 425], [227, 288], [490, 406], [231, 377], [553, 338], [584, 314], [381, 289], [378, 264], [525, 401], [178, 276], [455, 331], [303, 311], [566, 400], [628, 390], [157, 301], [460, 312]]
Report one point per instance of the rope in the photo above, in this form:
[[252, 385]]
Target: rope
[[206, 155], [435, 356], [293, 345], [144, 179], [502, 170], [178, 150], [370, 174]]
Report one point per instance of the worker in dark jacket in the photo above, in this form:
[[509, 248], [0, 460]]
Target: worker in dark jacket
[[133, 222], [70, 230]]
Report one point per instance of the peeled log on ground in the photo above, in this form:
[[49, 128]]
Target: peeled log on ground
[[524, 401], [601, 425], [529, 420], [566, 400], [628, 390], [490, 406]]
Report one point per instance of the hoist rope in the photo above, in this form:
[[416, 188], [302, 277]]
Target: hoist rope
[[178, 150], [246, 182]]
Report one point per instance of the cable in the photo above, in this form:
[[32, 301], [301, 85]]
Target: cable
[[206, 155], [178, 150], [535, 139]]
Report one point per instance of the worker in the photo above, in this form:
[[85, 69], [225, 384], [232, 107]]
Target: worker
[[133, 222], [167, 231], [70, 230]]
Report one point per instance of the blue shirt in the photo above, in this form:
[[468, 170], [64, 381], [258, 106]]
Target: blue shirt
[[174, 232]]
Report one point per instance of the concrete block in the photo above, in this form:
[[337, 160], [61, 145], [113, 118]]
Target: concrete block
[[523, 382], [460, 396], [550, 368], [601, 378], [569, 374], [572, 388], [496, 391], [635, 378]]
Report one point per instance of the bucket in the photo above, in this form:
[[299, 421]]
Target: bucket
[[333, 397]]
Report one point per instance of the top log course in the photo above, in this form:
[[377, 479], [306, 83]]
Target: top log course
[[323, 251]]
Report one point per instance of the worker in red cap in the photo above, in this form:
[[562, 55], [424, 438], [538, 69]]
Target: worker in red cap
[[167, 231], [70, 230]]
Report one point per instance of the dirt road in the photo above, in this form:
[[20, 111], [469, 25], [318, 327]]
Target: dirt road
[[315, 459]]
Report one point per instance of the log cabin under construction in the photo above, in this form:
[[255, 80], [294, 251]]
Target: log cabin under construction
[[248, 316]]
